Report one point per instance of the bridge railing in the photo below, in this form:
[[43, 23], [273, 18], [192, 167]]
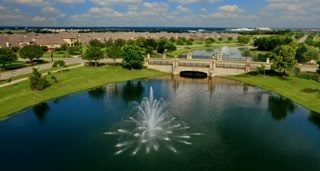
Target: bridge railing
[[205, 64], [230, 65], [194, 64], [160, 62]]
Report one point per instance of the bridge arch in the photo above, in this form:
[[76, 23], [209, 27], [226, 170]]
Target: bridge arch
[[193, 74]]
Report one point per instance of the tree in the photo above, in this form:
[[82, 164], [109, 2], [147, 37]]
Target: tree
[[114, 52], [247, 53], [190, 41], [63, 47], [244, 39], [150, 44], [15, 49], [302, 48], [133, 58], [7, 56], [74, 50], [230, 39], [165, 45], [37, 82], [96, 43], [284, 58], [170, 46], [172, 39], [161, 45], [312, 53], [270, 43], [93, 53], [119, 42], [31, 52]]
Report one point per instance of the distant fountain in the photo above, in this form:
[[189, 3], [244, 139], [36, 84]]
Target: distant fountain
[[225, 50], [151, 129]]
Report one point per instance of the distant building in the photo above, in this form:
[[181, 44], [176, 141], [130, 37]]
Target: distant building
[[242, 29], [263, 28]]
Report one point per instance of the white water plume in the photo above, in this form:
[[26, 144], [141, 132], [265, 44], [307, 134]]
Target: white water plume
[[151, 129]]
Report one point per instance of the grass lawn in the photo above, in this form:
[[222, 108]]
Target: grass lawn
[[27, 75], [302, 91], [17, 97]]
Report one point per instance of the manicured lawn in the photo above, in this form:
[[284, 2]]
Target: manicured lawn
[[27, 75], [302, 91], [17, 97]]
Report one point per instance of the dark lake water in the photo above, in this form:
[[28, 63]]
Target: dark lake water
[[242, 128]]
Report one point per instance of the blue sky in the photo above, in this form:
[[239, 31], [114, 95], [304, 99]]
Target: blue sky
[[202, 13]]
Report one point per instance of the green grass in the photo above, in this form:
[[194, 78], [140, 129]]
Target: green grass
[[14, 65], [13, 31], [61, 54], [302, 91], [17, 97], [27, 75]]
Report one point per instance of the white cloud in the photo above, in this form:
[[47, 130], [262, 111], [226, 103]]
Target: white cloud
[[203, 9], [155, 8], [116, 2], [291, 13], [182, 9], [29, 2], [39, 19], [50, 9], [108, 12], [230, 9], [193, 1], [70, 1], [53, 12], [2, 8]]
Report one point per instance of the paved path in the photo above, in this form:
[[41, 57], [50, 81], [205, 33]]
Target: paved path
[[26, 78], [26, 70]]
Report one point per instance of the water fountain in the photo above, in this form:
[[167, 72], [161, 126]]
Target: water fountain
[[152, 128]]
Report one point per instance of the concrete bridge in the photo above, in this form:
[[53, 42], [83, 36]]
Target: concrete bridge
[[207, 66]]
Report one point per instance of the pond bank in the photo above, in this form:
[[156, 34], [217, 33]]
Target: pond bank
[[19, 96], [302, 91]]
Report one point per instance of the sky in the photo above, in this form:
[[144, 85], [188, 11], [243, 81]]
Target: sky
[[171, 13]]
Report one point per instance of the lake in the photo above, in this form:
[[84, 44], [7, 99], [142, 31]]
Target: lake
[[206, 124]]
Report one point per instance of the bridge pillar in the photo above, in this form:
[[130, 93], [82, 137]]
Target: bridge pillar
[[212, 68], [164, 56], [148, 56], [189, 55], [247, 68], [175, 65]]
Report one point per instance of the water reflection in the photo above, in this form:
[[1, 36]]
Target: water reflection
[[132, 91], [280, 107], [97, 93], [41, 110], [314, 118]]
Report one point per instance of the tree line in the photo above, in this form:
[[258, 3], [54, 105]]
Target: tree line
[[286, 53]]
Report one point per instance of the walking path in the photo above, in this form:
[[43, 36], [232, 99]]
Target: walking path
[[26, 78], [26, 70]]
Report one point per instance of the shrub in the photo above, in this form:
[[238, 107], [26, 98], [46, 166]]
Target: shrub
[[59, 63], [37, 82]]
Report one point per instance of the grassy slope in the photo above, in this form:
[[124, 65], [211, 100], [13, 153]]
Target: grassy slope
[[17, 97], [291, 88]]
